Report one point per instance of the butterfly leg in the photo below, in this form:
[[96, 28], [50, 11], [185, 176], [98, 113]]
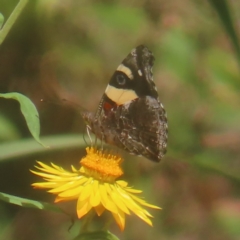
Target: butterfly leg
[[88, 133]]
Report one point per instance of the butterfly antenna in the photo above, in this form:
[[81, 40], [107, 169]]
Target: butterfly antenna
[[62, 102], [74, 104], [54, 102]]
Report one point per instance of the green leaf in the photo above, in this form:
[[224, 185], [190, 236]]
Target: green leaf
[[98, 235], [222, 8], [29, 112], [28, 203], [1, 20]]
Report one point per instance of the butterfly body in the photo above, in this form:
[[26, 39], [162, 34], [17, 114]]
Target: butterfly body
[[130, 115]]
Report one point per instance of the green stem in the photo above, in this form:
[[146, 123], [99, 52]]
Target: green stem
[[87, 220], [11, 20], [23, 148]]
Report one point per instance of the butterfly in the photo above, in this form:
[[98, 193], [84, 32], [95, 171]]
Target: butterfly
[[130, 114]]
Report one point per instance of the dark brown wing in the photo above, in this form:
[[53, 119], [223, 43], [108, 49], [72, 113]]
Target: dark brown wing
[[141, 128]]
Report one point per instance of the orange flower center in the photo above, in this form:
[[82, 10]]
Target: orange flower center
[[101, 166]]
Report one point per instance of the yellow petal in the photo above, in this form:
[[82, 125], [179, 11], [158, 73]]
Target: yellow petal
[[69, 185], [58, 168], [99, 209], [131, 190], [134, 207], [66, 178], [45, 185], [65, 199], [83, 208], [144, 203], [120, 219], [74, 169], [45, 175], [109, 205], [144, 218], [47, 168], [117, 199], [95, 198], [85, 194], [122, 183], [55, 178], [72, 192]]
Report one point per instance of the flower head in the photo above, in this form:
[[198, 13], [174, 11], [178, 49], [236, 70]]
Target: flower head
[[94, 186]]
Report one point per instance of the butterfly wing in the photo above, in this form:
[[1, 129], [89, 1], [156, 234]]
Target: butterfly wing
[[141, 128], [130, 115]]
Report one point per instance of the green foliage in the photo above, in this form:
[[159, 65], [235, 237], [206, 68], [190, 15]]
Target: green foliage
[[222, 8], [29, 112], [28, 203]]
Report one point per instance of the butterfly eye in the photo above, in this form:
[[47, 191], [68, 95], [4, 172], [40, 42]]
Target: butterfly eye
[[121, 80]]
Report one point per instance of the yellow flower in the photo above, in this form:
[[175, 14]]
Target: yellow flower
[[95, 186]]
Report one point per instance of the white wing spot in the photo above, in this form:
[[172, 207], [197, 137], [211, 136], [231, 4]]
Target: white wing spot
[[133, 52]]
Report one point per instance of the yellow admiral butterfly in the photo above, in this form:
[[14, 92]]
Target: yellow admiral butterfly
[[130, 114]]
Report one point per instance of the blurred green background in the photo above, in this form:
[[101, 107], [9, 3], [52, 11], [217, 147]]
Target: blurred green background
[[69, 49]]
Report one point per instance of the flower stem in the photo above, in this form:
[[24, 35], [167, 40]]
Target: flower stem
[[86, 222]]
